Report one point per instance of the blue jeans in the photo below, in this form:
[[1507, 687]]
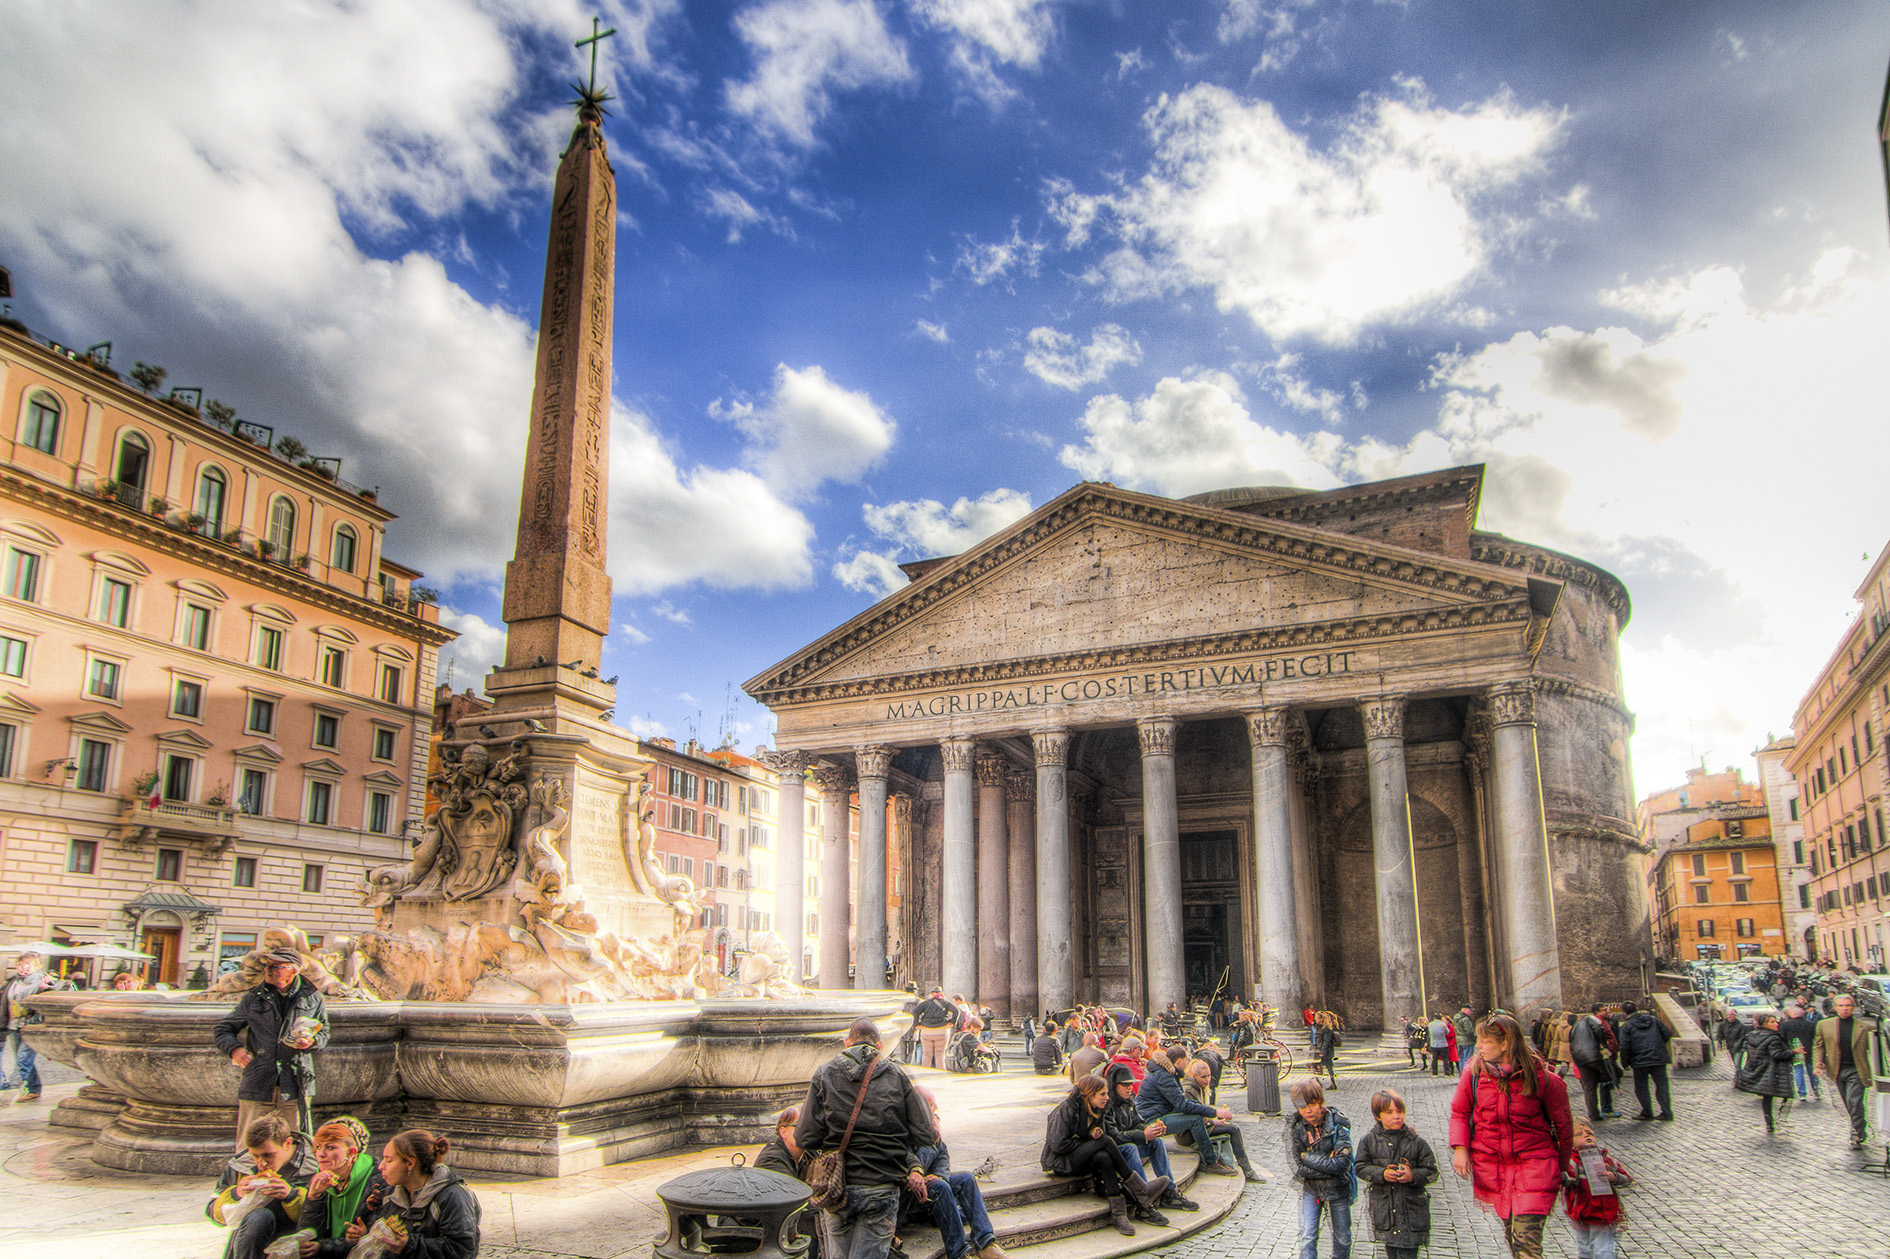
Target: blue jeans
[[1341, 1212], [958, 1204], [863, 1228], [1197, 1126], [1801, 1075], [25, 1072], [1594, 1241], [1156, 1164]]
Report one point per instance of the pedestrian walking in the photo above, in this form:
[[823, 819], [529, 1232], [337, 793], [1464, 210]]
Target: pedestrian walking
[[1440, 1042], [1397, 1164], [1510, 1132], [1594, 1208], [1327, 1042], [21, 1064], [1592, 1047], [1800, 1032], [1843, 1057], [1644, 1052], [1319, 1147], [1767, 1070]]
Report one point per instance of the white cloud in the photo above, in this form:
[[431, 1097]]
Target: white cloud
[[987, 264], [204, 225], [740, 215], [1013, 32], [932, 331], [870, 573], [928, 528], [635, 635], [1056, 359], [1383, 226], [725, 528], [925, 528], [1283, 379], [644, 727], [671, 613], [479, 648], [805, 52], [1193, 435], [810, 431]]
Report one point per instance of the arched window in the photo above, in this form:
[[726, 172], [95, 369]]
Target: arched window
[[212, 493], [281, 526], [134, 461], [343, 558], [42, 423]]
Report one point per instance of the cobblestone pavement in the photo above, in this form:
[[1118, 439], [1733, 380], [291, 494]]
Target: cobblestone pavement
[[1709, 1184]]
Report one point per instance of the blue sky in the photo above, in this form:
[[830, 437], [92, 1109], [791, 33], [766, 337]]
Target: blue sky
[[890, 274]]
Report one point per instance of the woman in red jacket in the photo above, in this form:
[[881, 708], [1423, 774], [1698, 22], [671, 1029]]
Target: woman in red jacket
[[1511, 1132]]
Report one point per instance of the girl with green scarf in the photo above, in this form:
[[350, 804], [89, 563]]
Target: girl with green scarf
[[348, 1187]]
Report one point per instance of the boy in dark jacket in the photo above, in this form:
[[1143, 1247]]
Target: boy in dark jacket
[[262, 1191], [1146, 1154], [1319, 1146], [1397, 1163]]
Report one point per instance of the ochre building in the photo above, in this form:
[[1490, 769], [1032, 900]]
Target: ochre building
[[215, 690], [1339, 747]]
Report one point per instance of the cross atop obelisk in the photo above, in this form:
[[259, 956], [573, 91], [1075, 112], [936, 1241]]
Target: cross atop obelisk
[[557, 594]]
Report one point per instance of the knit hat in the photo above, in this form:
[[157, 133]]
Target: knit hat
[[356, 1131]]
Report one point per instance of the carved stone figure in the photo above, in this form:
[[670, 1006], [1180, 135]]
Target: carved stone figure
[[765, 970], [317, 970]]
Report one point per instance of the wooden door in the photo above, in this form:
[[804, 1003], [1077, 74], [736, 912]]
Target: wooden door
[[162, 943]]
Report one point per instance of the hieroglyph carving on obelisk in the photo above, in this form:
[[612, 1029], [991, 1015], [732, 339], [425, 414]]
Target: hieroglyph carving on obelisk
[[557, 595]]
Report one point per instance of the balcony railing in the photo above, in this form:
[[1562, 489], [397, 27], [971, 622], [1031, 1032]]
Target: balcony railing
[[173, 817]]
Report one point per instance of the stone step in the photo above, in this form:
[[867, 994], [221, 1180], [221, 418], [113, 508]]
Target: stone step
[[1071, 1225]]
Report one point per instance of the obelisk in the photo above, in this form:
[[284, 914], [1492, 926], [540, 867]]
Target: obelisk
[[557, 593]]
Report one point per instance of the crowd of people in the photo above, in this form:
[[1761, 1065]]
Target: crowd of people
[[1821, 1039], [323, 1186]]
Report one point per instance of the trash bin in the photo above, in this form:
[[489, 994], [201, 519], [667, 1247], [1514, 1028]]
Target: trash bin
[[1263, 1084], [734, 1211]]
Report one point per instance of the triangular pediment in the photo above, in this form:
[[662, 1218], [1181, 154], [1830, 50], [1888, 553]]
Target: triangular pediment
[[1102, 571]]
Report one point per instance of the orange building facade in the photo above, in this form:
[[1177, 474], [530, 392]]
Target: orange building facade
[[1716, 889], [215, 691], [1841, 763]]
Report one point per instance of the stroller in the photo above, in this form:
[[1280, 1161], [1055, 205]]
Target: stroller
[[968, 1054]]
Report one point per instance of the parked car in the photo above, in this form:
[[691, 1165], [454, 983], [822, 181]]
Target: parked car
[[1747, 1005]]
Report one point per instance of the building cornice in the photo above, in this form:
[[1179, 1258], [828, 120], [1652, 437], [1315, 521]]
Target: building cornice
[[1494, 548], [1261, 537], [115, 518], [1321, 634]]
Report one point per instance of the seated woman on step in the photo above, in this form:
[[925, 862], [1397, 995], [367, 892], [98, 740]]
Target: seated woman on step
[[1075, 1144]]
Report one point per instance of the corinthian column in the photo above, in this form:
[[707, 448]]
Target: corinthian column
[[994, 890], [1161, 864], [1273, 858], [790, 867], [1020, 799], [958, 967], [1056, 982], [869, 936], [1400, 956], [835, 858], [1522, 834]]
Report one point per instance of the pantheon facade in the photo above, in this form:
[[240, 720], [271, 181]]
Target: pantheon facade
[[1334, 746]]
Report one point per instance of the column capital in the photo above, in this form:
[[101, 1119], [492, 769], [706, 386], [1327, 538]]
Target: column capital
[[957, 755], [902, 807], [1020, 786], [1384, 717], [1266, 727], [873, 760], [992, 769], [833, 779], [1157, 735], [1513, 703], [785, 761], [1051, 746]]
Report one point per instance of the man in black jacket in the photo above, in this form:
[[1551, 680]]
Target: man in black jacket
[[1799, 1033], [1644, 1050], [278, 1073], [893, 1121]]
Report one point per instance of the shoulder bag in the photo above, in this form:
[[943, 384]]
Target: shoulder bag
[[826, 1171]]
